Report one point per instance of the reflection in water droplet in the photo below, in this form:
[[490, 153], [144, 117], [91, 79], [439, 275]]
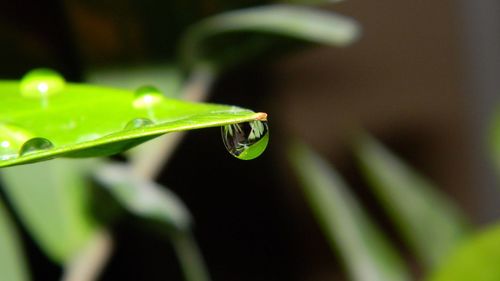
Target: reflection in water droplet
[[88, 137], [35, 145], [246, 141], [11, 139], [138, 123], [146, 97], [41, 83]]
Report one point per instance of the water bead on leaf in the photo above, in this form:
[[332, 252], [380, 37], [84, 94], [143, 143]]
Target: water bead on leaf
[[247, 140], [137, 123], [41, 83], [34, 145], [147, 96], [11, 139]]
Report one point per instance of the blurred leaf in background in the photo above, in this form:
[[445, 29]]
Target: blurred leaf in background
[[365, 251], [12, 263], [476, 259], [143, 198], [311, 25], [151, 201], [52, 200], [430, 223]]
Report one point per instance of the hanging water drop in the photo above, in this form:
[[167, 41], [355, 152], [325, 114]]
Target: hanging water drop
[[137, 123], [247, 140], [11, 139], [41, 83], [146, 97], [35, 145]]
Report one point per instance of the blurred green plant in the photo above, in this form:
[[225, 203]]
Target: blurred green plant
[[366, 253], [44, 117], [446, 246], [12, 263], [426, 218], [475, 259]]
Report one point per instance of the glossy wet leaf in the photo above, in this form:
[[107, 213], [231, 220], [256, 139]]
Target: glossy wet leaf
[[366, 253], [143, 198], [87, 121], [299, 22], [476, 259], [12, 263], [427, 219], [53, 199]]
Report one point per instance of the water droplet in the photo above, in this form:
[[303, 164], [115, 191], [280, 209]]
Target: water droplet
[[41, 83], [247, 140], [137, 123], [35, 145], [88, 137], [146, 97], [11, 139]]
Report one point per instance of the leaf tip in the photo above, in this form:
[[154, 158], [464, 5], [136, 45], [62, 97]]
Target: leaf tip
[[261, 116]]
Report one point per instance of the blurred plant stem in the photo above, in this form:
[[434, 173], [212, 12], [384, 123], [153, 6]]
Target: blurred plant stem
[[88, 264], [190, 259]]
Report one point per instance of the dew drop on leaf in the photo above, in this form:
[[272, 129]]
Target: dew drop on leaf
[[35, 145], [146, 97], [247, 140], [41, 83], [137, 123], [11, 139]]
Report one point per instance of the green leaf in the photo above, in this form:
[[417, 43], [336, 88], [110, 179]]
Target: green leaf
[[52, 200], [143, 198], [304, 23], [12, 264], [86, 121], [367, 254], [475, 259], [427, 219]]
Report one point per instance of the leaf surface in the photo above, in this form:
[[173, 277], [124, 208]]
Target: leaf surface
[[88, 121]]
